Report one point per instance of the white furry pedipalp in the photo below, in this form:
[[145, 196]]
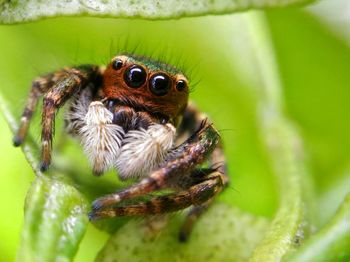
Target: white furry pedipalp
[[143, 150], [100, 138], [79, 107]]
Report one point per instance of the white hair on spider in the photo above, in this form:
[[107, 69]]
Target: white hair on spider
[[134, 154], [78, 110], [100, 138], [143, 150]]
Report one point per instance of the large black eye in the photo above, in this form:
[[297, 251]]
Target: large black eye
[[135, 76], [160, 84]]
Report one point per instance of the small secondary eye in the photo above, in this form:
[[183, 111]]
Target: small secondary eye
[[181, 85], [160, 84], [135, 76], [117, 64]]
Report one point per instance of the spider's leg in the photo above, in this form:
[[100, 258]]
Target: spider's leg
[[216, 158], [180, 162], [73, 80], [191, 218], [192, 118], [195, 195], [39, 86]]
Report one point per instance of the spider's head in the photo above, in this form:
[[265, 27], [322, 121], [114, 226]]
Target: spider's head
[[144, 83]]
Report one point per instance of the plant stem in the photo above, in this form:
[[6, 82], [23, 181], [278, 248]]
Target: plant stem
[[29, 147], [331, 243], [284, 150]]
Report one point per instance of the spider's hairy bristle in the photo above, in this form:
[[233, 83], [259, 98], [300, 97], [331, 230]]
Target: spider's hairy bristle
[[78, 108], [153, 64], [143, 150], [160, 55], [100, 138]]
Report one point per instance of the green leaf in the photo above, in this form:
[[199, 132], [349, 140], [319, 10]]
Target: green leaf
[[331, 243], [223, 234], [315, 90], [28, 10], [55, 221]]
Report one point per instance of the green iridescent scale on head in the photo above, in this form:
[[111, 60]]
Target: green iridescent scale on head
[[153, 65]]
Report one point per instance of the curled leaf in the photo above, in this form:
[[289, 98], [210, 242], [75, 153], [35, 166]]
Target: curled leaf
[[28, 10], [331, 243]]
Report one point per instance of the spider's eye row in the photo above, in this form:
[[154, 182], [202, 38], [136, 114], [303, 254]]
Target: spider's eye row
[[117, 64], [135, 76], [160, 84], [181, 85]]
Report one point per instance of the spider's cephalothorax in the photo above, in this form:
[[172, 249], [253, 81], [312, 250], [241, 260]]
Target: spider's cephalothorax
[[133, 116]]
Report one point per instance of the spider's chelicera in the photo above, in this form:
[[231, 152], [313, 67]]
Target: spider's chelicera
[[134, 116]]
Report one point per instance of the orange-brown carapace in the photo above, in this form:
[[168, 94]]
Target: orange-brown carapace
[[153, 85]]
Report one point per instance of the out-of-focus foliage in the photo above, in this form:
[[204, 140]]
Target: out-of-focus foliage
[[235, 229], [54, 222], [274, 83], [331, 243]]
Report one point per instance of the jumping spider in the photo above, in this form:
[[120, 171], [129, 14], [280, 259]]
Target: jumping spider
[[133, 116]]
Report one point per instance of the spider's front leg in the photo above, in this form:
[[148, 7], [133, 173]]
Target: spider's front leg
[[57, 88], [39, 86], [191, 120], [180, 162], [192, 186], [197, 194]]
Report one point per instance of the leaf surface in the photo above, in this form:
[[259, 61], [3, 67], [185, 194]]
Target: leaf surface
[[28, 10]]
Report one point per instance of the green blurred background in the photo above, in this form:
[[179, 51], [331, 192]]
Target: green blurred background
[[313, 62]]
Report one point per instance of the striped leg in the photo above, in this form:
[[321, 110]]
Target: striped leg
[[56, 87], [39, 87], [197, 186], [192, 118], [68, 85], [195, 195], [181, 162]]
